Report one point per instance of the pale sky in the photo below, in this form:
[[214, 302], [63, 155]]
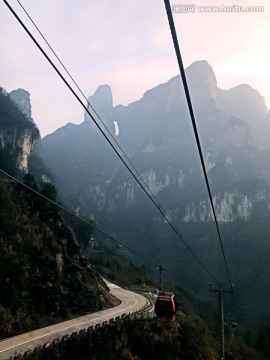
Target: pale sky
[[127, 45]]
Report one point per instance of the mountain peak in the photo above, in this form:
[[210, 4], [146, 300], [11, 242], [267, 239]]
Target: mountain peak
[[244, 102], [101, 101], [21, 98], [202, 83], [102, 96]]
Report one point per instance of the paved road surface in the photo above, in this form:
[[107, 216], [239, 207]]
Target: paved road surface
[[130, 302]]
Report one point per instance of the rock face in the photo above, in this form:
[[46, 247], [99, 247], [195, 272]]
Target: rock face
[[20, 146], [21, 98], [229, 206], [18, 133], [101, 103], [25, 143], [202, 81]]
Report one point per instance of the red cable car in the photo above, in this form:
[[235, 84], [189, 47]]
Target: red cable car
[[165, 306]]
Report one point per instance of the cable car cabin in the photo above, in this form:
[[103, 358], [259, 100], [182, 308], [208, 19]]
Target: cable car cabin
[[165, 306]]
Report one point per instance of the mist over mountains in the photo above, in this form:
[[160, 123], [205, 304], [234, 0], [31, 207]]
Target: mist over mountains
[[156, 134]]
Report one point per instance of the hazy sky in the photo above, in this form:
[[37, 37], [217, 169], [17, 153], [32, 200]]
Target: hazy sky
[[127, 44]]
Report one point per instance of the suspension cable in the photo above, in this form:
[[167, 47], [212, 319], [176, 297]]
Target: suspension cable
[[89, 104], [161, 210], [94, 227], [184, 80]]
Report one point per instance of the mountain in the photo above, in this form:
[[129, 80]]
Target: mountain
[[21, 98], [247, 103], [45, 272], [19, 136], [47, 258], [156, 134]]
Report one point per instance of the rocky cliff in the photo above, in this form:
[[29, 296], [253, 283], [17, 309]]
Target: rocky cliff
[[21, 98], [18, 133], [156, 133], [20, 143]]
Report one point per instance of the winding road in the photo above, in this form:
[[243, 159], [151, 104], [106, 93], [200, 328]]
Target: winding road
[[130, 302]]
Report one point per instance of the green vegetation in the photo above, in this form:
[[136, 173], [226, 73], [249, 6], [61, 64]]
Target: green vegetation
[[185, 338], [108, 258], [44, 275]]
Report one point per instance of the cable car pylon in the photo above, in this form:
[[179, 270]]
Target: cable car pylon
[[221, 289], [160, 269], [166, 304]]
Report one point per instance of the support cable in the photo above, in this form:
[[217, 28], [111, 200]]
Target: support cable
[[174, 228], [183, 75], [94, 227], [77, 217], [89, 104]]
